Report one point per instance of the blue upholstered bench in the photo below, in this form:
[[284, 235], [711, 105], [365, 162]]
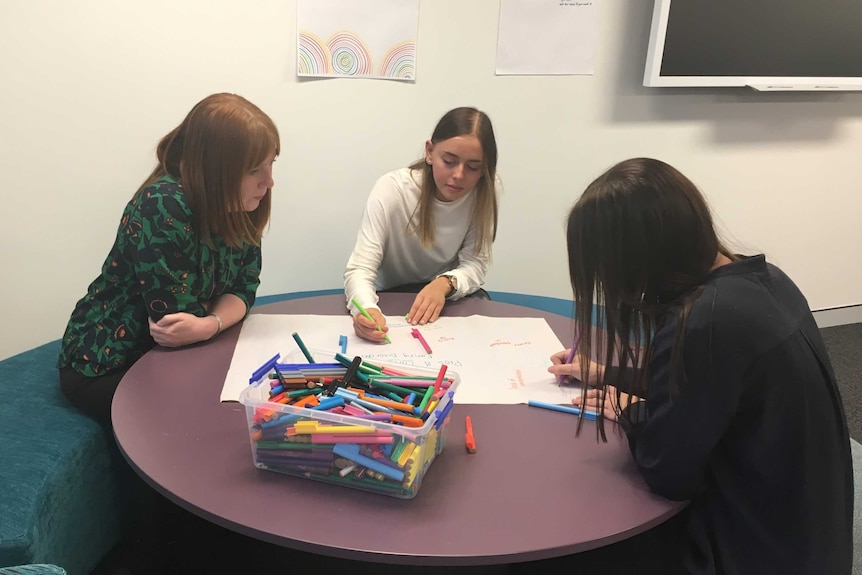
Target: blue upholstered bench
[[61, 486], [61, 496]]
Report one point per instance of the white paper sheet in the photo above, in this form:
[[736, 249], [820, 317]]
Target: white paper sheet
[[499, 360], [357, 38], [547, 37]]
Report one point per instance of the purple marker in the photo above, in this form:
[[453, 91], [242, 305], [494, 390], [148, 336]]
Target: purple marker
[[374, 417], [571, 356]]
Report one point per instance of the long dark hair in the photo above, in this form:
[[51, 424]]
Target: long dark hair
[[640, 240], [463, 121]]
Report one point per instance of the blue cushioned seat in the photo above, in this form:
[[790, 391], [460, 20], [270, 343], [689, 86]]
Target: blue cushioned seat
[[62, 489], [33, 569]]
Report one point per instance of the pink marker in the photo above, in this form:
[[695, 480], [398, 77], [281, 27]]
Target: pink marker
[[438, 383], [415, 382], [418, 335], [390, 371], [335, 438]]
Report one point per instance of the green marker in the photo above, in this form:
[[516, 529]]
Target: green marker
[[393, 388], [304, 392], [368, 315], [373, 366], [302, 348], [425, 399]]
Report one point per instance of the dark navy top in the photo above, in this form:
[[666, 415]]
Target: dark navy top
[[755, 435]]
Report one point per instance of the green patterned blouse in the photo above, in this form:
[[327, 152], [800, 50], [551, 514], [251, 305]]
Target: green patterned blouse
[[156, 267]]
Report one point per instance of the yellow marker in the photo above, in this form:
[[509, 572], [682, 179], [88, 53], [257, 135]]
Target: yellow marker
[[413, 465], [311, 427], [346, 429], [305, 426], [405, 455]]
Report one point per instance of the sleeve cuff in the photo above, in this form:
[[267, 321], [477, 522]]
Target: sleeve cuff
[[633, 417], [458, 284]]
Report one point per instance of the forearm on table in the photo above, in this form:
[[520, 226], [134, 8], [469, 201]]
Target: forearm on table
[[229, 309]]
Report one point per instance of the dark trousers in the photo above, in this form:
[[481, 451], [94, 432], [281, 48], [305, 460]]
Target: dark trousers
[[91, 395]]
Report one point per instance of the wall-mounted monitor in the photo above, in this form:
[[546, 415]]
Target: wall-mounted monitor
[[764, 44]]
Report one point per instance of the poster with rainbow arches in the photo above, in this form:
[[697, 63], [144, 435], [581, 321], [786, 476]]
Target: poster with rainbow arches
[[357, 39]]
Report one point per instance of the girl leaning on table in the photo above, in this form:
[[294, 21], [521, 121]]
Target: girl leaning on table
[[428, 228], [186, 260], [720, 381]]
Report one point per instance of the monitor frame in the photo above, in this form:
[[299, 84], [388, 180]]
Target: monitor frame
[[654, 79]]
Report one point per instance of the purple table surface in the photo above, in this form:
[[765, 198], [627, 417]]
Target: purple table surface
[[533, 491]]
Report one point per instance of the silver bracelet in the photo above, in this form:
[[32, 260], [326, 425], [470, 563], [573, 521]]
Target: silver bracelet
[[218, 319]]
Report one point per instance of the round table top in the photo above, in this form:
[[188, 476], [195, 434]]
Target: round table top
[[533, 491]]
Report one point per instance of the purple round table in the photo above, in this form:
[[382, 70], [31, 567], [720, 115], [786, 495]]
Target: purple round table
[[533, 490]]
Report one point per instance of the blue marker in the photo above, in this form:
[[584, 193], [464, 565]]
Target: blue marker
[[324, 405], [342, 341], [591, 415], [307, 366], [351, 451], [264, 369], [442, 414]]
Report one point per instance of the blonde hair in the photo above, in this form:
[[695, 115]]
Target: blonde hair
[[461, 122]]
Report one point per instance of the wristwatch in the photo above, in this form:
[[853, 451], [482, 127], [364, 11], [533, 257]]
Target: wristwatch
[[453, 284]]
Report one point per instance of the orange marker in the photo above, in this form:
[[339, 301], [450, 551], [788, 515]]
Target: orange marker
[[397, 405], [407, 421], [471, 441]]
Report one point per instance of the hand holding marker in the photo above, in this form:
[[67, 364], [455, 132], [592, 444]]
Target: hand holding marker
[[571, 356], [363, 311]]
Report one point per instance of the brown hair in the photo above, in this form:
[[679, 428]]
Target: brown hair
[[462, 122], [641, 241], [221, 140]]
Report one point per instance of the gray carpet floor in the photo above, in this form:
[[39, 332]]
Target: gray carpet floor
[[844, 343]]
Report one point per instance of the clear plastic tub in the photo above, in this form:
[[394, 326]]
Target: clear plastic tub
[[386, 451]]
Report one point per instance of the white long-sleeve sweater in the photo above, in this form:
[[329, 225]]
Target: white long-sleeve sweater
[[389, 254]]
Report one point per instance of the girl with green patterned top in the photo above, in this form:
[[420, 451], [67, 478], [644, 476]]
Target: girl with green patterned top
[[186, 261]]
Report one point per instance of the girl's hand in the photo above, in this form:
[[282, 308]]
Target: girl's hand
[[572, 371], [429, 302], [367, 329], [179, 329], [611, 409]]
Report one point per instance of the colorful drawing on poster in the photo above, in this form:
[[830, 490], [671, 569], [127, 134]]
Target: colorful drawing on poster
[[312, 55], [400, 61], [349, 55]]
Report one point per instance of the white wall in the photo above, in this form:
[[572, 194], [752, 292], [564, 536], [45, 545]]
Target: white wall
[[88, 87]]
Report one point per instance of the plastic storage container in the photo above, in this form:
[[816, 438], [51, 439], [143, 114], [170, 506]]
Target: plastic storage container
[[384, 451]]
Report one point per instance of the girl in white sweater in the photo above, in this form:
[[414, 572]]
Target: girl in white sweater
[[428, 228]]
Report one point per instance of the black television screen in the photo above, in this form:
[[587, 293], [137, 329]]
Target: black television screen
[[766, 44]]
